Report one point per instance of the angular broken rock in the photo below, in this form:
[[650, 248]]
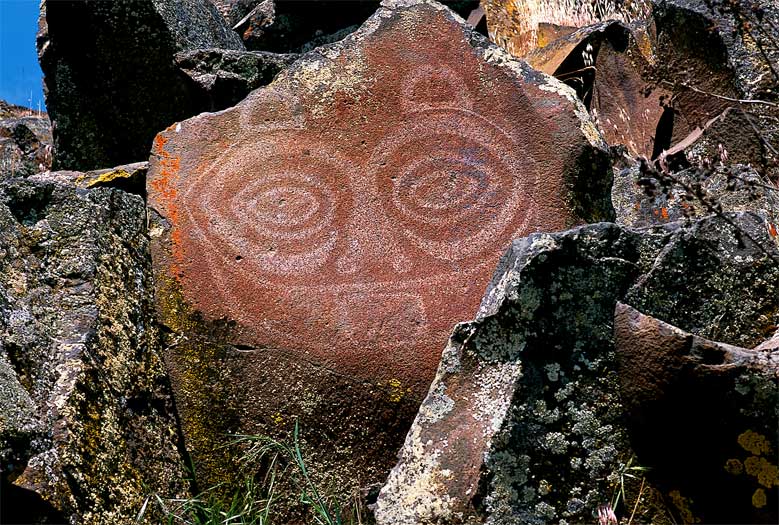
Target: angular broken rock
[[351, 212], [25, 141], [711, 56], [524, 422], [672, 76], [224, 77], [87, 424], [705, 415], [605, 64], [286, 26], [111, 83]]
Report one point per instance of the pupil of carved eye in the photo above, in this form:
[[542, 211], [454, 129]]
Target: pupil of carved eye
[[290, 205]]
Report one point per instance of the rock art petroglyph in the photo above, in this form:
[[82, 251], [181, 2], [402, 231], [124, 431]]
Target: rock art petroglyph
[[353, 211]]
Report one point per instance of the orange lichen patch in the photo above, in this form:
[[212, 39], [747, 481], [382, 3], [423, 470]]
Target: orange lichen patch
[[766, 473], [664, 213], [755, 443], [734, 466], [163, 186], [759, 499]]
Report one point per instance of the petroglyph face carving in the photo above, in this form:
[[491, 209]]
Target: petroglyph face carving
[[433, 193], [356, 225]]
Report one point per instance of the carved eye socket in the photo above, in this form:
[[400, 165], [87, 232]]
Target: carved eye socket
[[281, 221], [438, 189], [453, 203], [286, 206]]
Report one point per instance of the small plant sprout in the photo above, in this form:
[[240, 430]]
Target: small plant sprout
[[628, 470], [606, 515]]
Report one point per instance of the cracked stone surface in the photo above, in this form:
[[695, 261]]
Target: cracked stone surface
[[87, 425]]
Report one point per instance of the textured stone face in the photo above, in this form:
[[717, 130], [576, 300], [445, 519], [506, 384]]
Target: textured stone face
[[527, 418], [704, 415], [111, 82], [87, 425], [224, 77], [353, 211], [25, 141]]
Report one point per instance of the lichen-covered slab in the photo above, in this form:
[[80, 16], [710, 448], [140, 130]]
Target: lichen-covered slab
[[87, 424], [351, 212], [524, 422]]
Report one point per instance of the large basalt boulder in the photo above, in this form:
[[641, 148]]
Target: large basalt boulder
[[110, 78], [526, 421], [25, 141], [87, 428], [314, 245]]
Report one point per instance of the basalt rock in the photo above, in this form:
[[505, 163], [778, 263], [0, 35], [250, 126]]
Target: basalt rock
[[735, 40], [25, 141], [285, 26], [223, 77], [301, 25], [334, 225], [111, 82], [525, 421], [705, 415], [671, 81], [607, 65], [87, 429]]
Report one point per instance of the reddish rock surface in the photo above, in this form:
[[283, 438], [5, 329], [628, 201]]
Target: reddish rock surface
[[608, 65], [703, 415], [353, 211]]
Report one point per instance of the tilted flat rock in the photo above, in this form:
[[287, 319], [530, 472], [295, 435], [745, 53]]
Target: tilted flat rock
[[705, 415], [87, 426], [607, 64], [525, 423], [111, 83], [350, 213]]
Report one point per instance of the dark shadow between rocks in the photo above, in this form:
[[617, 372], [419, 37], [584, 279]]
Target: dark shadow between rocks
[[19, 506]]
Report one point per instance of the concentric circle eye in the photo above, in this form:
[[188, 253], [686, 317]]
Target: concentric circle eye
[[454, 202], [439, 189], [279, 221], [287, 205]]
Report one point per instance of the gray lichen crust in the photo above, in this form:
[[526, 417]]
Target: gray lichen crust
[[524, 422], [80, 353]]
